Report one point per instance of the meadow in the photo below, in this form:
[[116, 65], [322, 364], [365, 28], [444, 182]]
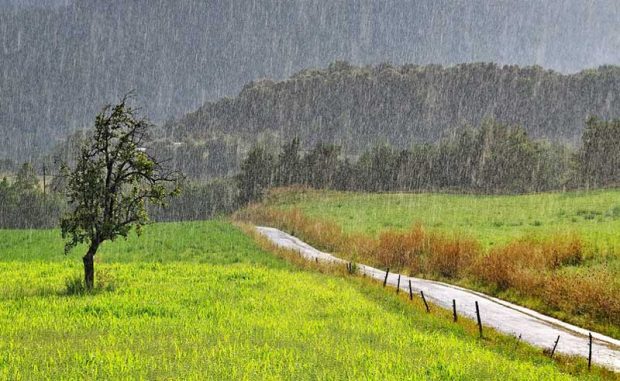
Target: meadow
[[491, 219], [202, 300], [558, 253]]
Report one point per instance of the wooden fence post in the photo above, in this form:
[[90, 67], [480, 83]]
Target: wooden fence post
[[410, 291], [454, 310], [555, 346], [424, 300], [386, 275], [590, 351], [517, 342], [398, 285], [479, 320], [350, 267]]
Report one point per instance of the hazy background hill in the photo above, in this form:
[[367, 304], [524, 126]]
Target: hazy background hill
[[358, 107], [60, 60]]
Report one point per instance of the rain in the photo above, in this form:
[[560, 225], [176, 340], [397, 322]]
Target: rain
[[467, 144]]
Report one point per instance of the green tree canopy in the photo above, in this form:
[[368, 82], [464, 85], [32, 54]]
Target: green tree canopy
[[112, 182]]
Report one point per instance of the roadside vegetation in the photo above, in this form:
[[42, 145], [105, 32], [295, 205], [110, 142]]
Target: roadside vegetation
[[544, 251], [202, 300]]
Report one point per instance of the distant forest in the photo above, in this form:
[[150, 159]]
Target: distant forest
[[360, 107], [401, 106], [493, 158]]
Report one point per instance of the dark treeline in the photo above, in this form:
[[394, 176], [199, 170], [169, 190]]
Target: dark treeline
[[200, 201], [24, 203], [493, 158]]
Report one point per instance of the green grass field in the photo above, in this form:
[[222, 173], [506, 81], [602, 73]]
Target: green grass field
[[490, 219], [201, 300]]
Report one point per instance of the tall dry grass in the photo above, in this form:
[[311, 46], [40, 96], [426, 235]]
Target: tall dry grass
[[517, 263], [596, 294], [325, 234], [401, 250], [451, 257], [415, 250]]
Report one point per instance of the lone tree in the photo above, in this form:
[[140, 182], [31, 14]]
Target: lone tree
[[112, 183]]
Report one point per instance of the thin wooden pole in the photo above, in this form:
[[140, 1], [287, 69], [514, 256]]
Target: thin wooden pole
[[454, 316], [590, 352], [517, 342], [386, 275], [410, 291], [555, 346], [479, 320], [398, 285], [424, 299]]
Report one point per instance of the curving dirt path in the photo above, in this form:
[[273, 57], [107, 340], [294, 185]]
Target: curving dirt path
[[534, 328]]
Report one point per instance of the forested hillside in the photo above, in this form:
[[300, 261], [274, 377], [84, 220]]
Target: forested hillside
[[62, 60], [359, 107]]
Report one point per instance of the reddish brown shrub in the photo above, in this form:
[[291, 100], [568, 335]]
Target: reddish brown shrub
[[390, 251], [563, 250], [363, 247], [494, 269], [451, 256], [417, 244], [522, 264], [595, 294], [502, 265]]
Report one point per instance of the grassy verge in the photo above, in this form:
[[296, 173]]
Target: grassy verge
[[558, 271], [203, 301]]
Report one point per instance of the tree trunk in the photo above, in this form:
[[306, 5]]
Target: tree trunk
[[89, 267]]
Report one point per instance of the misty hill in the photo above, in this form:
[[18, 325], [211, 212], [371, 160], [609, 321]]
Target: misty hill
[[60, 61], [358, 107]]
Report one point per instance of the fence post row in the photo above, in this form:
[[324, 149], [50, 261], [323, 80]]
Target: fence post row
[[455, 315]]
